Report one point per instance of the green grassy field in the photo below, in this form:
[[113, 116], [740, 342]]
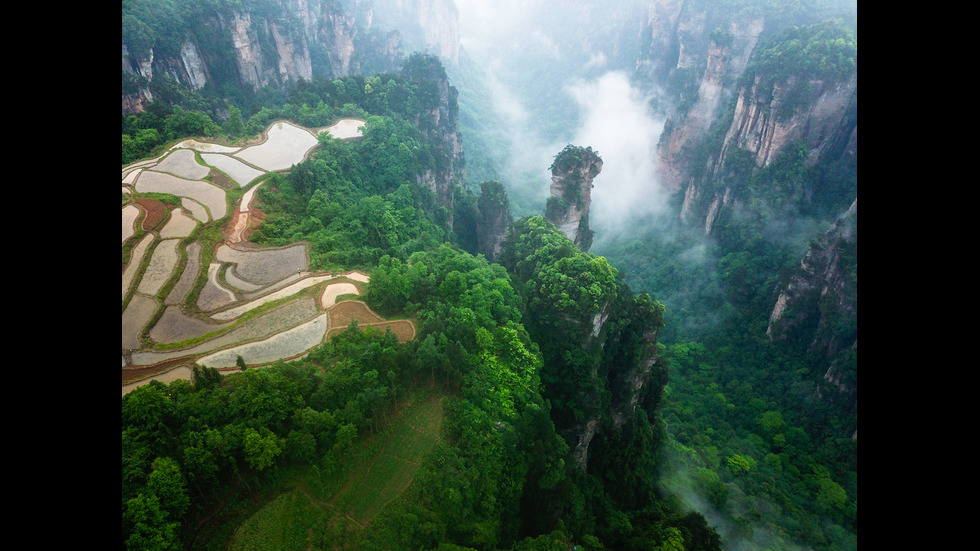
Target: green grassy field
[[329, 511]]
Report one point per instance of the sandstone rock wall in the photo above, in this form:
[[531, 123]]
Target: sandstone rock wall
[[307, 39]]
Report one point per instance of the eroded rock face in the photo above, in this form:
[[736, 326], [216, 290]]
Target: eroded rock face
[[494, 219], [760, 109], [818, 304], [757, 128], [572, 174], [629, 379], [726, 58], [310, 38], [439, 122], [197, 71]]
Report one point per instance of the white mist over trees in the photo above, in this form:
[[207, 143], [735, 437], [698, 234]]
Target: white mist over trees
[[616, 121], [537, 75], [553, 78]]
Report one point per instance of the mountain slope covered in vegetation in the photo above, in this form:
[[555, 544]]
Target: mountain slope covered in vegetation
[[690, 384]]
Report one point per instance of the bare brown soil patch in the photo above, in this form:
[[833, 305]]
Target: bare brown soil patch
[[228, 232], [155, 213], [219, 179], [254, 217], [132, 373], [341, 314]]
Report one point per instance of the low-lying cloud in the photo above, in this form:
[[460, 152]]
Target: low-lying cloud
[[515, 42], [616, 122]]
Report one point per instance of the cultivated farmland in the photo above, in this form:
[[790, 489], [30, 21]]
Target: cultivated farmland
[[191, 302]]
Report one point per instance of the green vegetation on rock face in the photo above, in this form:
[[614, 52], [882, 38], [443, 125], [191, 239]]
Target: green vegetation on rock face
[[568, 166], [801, 56], [826, 51], [573, 156]]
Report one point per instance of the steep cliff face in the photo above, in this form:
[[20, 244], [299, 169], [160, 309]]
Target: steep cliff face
[[758, 129], [749, 83], [135, 92], [598, 340], [572, 174], [494, 219], [678, 35], [725, 59], [626, 375], [632, 374], [299, 39], [439, 121], [446, 118], [800, 88], [817, 306], [267, 53]]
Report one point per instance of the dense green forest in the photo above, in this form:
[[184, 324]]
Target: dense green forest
[[505, 368], [198, 456]]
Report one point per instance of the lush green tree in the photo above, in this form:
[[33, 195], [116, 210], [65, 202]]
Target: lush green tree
[[260, 449], [167, 482], [150, 527], [831, 495], [739, 464], [206, 377], [234, 126], [674, 542], [190, 123]]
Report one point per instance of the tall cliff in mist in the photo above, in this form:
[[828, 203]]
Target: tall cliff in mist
[[725, 59], [439, 122], [568, 205], [817, 306], [764, 125], [761, 143], [746, 85], [494, 219], [275, 42]]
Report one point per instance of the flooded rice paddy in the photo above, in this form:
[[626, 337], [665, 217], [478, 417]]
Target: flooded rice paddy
[[185, 306]]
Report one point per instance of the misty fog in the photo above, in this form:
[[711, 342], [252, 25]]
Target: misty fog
[[615, 121], [551, 74]]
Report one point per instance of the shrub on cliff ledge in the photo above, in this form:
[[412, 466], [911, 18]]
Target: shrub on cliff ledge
[[571, 157]]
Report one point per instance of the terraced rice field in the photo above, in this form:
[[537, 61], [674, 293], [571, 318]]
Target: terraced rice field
[[184, 305], [334, 290], [129, 215]]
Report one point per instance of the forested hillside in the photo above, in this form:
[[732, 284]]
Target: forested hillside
[[532, 420], [687, 383]]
